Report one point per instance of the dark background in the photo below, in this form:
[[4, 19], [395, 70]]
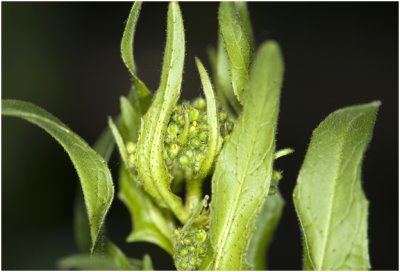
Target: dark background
[[65, 58]]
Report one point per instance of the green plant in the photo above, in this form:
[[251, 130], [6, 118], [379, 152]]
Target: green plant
[[168, 146]]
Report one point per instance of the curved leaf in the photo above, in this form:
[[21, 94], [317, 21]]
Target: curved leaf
[[238, 44], [150, 159], [328, 197], [89, 262], [142, 94], [244, 168], [95, 177], [267, 221]]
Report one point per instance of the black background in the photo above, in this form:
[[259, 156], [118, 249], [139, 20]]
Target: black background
[[65, 58]]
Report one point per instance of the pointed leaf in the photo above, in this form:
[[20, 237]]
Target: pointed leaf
[[88, 262], [143, 95], [238, 45], [328, 197], [244, 168], [267, 222], [150, 159], [93, 172], [214, 137]]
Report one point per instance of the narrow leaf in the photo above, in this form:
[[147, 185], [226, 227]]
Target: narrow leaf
[[214, 137], [92, 170], [244, 168], [328, 197], [267, 222], [120, 142], [141, 91], [147, 263], [131, 119], [238, 45], [149, 224], [104, 145], [150, 160]]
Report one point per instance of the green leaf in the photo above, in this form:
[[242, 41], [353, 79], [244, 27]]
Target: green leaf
[[88, 262], [214, 136], [147, 263], [120, 142], [150, 225], [238, 44], [93, 172], [244, 168], [143, 95], [150, 159], [223, 79], [267, 222], [329, 200], [131, 119], [104, 145]]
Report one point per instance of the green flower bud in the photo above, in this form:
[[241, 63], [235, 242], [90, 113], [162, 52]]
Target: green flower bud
[[200, 103], [184, 160], [194, 115], [183, 252], [130, 148], [173, 151]]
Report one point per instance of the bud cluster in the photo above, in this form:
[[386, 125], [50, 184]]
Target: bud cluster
[[186, 140], [190, 248]]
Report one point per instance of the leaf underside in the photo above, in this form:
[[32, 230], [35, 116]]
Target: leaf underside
[[329, 199]]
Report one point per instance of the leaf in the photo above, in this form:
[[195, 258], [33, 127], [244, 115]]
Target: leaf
[[223, 79], [93, 172], [88, 262], [104, 145], [214, 137], [244, 168], [328, 197], [149, 223], [147, 263], [143, 95], [238, 44], [150, 159], [131, 119], [267, 222], [120, 142]]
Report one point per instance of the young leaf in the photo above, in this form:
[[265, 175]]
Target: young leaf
[[104, 145], [150, 159], [93, 172], [267, 222], [238, 45], [328, 197], [120, 142], [143, 95], [150, 225], [147, 263], [244, 168]]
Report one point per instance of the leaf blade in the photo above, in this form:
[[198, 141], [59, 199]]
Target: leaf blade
[[238, 44], [332, 168], [244, 166], [92, 170], [267, 222]]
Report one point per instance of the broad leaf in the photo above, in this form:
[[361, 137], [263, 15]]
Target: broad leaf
[[150, 159], [95, 177], [328, 197], [267, 222], [238, 44], [149, 224], [141, 93], [244, 168]]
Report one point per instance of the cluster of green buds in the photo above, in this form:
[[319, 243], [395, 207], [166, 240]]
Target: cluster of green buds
[[186, 141], [190, 248]]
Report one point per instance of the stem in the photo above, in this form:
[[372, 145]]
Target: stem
[[193, 194]]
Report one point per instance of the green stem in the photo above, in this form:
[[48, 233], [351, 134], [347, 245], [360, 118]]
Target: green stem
[[193, 194]]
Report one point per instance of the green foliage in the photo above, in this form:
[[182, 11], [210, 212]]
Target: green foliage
[[95, 178], [244, 169], [166, 145], [329, 199]]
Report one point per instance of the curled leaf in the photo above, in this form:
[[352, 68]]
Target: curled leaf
[[151, 165]]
